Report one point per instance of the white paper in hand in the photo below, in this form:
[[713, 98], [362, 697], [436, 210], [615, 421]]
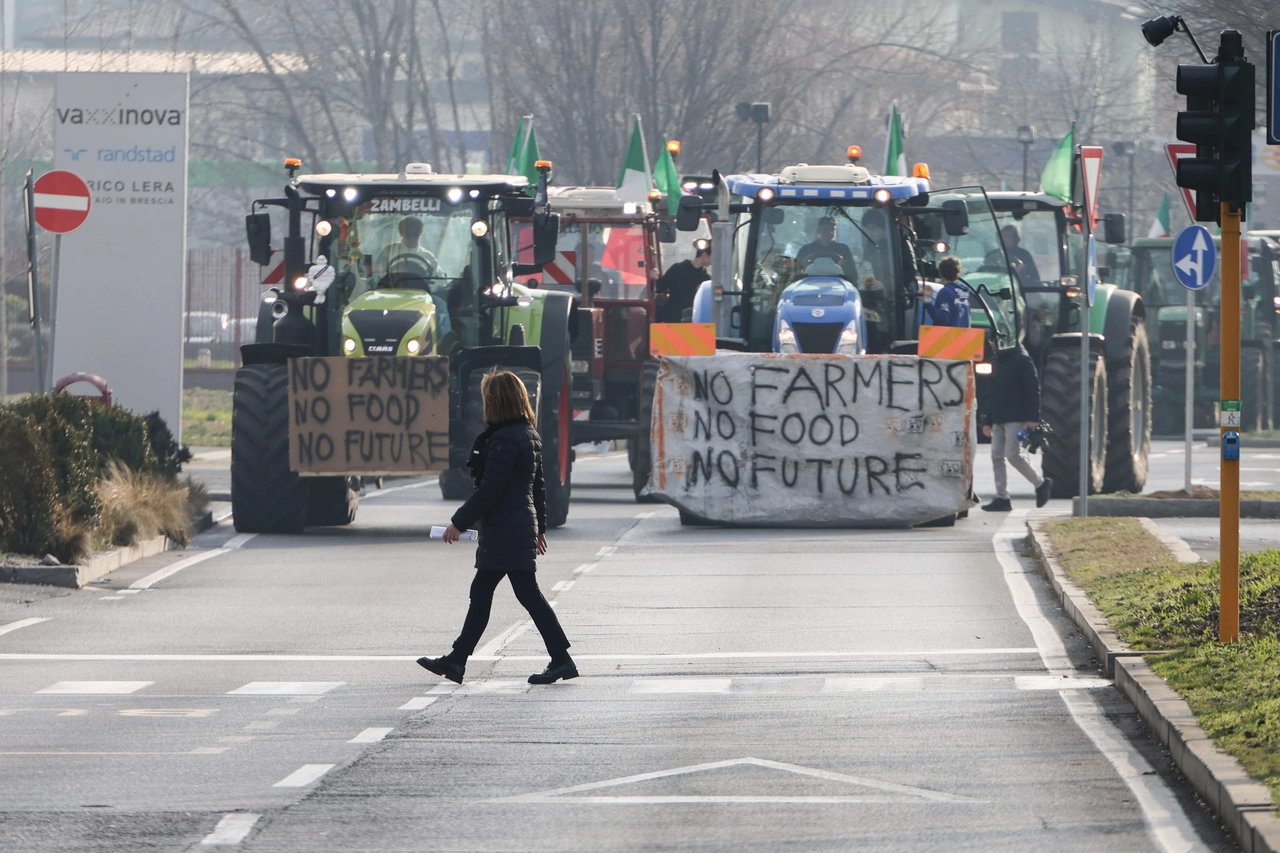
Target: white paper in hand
[[438, 533]]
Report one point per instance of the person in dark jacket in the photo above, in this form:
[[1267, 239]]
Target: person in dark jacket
[[1015, 403], [950, 305], [509, 508], [679, 284]]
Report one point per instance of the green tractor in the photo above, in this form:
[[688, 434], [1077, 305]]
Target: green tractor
[[1150, 275], [1047, 254], [408, 265]]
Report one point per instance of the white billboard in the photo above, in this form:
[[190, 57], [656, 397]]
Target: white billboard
[[121, 282], [814, 440]]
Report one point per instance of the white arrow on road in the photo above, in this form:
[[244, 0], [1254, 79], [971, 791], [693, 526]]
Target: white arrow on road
[[1187, 265]]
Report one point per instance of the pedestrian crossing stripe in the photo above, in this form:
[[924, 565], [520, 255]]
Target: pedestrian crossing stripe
[[682, 339], [951, 342]]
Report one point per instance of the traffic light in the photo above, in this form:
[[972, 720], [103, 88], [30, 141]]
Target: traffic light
[[1219, 121]]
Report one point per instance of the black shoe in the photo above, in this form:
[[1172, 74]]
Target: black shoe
[[554, 672], [998, 505], [444, 668], [1042, 492]]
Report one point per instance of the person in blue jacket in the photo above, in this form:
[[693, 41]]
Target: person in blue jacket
[[950, 305]]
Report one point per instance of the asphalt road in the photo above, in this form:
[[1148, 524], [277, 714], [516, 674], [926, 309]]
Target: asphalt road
[[742, 690]]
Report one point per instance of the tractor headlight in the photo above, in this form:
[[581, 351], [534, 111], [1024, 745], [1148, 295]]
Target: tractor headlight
[[350, 194], [479, 228], [324, 227], [765, 195], [348, 345], [300, 282], [848, 343], [413, 346], [787, 338], [454, 195], [982, 368], [882, 196]]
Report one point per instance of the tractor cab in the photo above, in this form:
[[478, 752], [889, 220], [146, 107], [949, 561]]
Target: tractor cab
[[608, 257], [831, 259]]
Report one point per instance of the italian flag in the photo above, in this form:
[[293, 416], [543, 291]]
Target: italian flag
[[1160, 226], [895, 157], [1055, 180], [667, 179], [635, 181], [524, 154]]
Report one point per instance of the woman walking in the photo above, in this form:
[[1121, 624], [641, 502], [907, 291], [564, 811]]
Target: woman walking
[[510, 506]]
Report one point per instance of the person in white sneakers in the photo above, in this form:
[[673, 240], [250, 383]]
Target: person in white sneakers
[[1015, 404]]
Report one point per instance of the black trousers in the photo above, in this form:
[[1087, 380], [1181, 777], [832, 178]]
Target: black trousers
[[525, 585]]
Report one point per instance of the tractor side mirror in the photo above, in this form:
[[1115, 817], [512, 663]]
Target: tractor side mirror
[[1113, 230], [689, 213], [666, 231], [546, 231], [955, 217], [774, 216], [257, 227]]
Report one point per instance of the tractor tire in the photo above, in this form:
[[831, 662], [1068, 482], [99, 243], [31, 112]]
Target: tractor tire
[[1252, 390], [266, 496], [643, 464], [554, 421], [1060, 408], [456, 484], [1129, 414], [332, 501]]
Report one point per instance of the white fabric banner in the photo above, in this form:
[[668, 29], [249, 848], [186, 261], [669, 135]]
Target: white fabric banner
[[121, 282], [814, 440]]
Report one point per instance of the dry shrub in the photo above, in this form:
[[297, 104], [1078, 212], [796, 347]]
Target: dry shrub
[[139, 506]]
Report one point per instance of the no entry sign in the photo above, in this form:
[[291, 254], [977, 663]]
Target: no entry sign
[[61, 201]]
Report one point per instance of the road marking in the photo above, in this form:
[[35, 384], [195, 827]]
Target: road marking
[[1167, 824], [370, 735], [288, 658], [22, 623], [561, 586], [860, 684], [304, 776], [62, 712], [102, 687], [443, 688], [584, 568], [417, 703], [232, 829], [209, 750], [490, 649], [680, 685], [285, 688], [167, 712], [904, 793], [646, 515], [169, 571], [377, 493], [606, 551], [1059, 682], [473, 688]]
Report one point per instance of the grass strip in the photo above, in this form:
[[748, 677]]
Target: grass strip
[[1154, 602], [206, 417]]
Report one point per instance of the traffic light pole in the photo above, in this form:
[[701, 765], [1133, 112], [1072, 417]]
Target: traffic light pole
[[1229, 479]]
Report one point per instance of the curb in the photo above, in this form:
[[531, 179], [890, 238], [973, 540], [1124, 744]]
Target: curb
[[1244, 806], [104, 562], [1171, 508]]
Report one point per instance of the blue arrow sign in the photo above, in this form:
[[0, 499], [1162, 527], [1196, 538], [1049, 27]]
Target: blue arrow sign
[[1091, 274], [1194, 257]]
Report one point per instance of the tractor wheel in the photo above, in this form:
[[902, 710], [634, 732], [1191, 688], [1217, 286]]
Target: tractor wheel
[[1060, 407], [1252, 390], [1129, 415], [332, 501], [266, 497], [456, 484], [555, 419], [643, 464]]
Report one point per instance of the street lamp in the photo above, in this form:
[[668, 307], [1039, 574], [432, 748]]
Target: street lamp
[[1127, 149], [759, 113], [1027, 136]]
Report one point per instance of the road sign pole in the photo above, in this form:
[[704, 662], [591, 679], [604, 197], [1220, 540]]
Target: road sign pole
[[33, 280], [1229, 479], [1189, 386], [53, 301]]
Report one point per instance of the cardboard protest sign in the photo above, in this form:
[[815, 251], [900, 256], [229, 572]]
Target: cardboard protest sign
[[381, 415], [814, 441]]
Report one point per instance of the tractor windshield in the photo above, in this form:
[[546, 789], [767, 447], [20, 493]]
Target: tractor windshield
[[417, 243], [788, 239], [985, 268], [617, 264]]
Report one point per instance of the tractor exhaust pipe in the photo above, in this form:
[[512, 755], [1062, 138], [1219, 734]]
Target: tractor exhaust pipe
[[279, 309]]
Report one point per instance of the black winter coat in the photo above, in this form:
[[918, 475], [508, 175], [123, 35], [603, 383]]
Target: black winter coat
[[1015, 389], [509, 506]]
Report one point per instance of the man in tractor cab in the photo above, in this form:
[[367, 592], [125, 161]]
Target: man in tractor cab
[[1019, 258], [950, 305], [826, 247], [410, 229], [679, 284]]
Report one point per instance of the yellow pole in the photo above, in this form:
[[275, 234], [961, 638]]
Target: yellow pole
[[1229, 479]]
